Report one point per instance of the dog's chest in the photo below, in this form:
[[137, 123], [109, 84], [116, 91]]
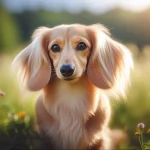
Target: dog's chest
[[69, 108], [70, 105]]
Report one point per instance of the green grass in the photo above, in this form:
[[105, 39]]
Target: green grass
[[136, 107], [17, 133], [15, 100]]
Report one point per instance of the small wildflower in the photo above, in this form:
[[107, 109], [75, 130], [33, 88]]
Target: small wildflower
[[148, 131], [137, 133], [138, 130], [141, 126], [21, 114], [10, 115]]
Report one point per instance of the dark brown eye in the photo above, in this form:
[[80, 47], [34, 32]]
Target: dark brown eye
[[55, 48], [81, 46]]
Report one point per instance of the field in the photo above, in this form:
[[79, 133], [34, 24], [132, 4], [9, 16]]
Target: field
[[126, 115], [15, 99]]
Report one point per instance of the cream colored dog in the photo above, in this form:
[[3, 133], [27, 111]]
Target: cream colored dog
[[74, 65]]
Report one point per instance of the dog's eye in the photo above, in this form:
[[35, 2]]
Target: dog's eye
[[81, 46], [55, 48]]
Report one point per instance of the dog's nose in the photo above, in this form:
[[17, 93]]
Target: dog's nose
[[67, 70]]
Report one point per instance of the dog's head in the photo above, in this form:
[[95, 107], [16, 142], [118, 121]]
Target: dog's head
[[74, 50]]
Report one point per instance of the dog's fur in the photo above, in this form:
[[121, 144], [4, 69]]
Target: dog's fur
[[74, 113]]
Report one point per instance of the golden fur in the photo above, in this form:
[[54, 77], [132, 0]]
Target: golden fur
[[73, 112]]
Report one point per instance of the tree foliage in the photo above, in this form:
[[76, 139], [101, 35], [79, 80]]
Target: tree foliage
[[9, 31], [124, 25]]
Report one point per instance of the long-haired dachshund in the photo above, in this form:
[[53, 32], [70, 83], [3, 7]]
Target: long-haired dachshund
[[74, 66]]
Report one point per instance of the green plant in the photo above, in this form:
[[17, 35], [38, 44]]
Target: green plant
[[144, 145], [17, 132], [15, 99]]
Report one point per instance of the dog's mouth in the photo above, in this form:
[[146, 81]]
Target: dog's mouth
[[71, 79]]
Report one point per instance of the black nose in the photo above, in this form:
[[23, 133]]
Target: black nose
[[67, 70]]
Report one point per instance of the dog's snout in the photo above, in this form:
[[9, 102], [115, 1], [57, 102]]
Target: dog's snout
[[67, 70]]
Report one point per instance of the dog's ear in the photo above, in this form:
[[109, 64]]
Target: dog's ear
[[110, 62], [33, 62]]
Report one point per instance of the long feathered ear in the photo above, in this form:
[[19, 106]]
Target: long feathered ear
[[110, 62], [33, 62]]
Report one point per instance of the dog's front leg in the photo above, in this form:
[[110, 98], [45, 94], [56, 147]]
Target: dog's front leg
[[44, 122]]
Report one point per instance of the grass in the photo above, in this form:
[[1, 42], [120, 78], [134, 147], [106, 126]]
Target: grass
[[15, 100], [136, 108], [126, 113]]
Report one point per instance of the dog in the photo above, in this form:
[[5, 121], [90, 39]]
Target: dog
[[75, 66]]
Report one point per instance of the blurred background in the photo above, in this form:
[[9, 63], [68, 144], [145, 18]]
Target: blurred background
[[128, 21]]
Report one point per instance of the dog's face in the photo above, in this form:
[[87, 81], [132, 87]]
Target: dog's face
[[74, 50], [69, 48]]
